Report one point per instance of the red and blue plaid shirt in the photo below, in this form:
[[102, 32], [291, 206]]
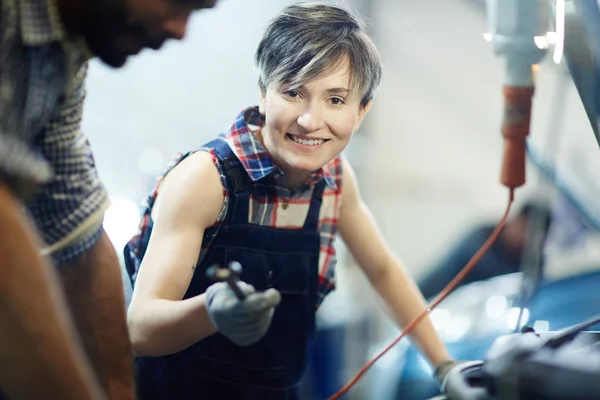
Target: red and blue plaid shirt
[[273, 203]]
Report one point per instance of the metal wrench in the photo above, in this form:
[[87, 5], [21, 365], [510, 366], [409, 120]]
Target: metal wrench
[[230, 275]]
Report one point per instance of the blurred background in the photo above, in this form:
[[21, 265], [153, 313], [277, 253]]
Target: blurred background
[[427, 156]]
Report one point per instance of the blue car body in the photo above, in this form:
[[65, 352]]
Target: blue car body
[[406, 376]]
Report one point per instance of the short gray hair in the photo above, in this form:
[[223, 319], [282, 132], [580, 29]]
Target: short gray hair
[[308, 39]]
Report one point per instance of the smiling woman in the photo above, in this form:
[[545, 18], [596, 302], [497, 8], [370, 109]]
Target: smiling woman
[[318, 71], [307, 125], [270, 193]]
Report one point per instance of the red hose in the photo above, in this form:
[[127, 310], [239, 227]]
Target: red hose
[[515, 128], [445, 292]]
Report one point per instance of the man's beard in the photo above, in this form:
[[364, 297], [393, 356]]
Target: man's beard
[[102, 30]]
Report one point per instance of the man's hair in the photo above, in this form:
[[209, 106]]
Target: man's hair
[[309, 39]]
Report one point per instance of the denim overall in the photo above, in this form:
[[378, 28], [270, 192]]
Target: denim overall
[[285, 259]]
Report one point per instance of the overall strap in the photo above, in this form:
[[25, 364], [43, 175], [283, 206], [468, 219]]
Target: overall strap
[[312, 219], [238, 179]]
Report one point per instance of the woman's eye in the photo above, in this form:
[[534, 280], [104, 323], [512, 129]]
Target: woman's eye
[[336, 101], [291, 93]]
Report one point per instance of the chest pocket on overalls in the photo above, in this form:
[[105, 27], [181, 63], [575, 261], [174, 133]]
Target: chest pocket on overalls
[[290, 274], [286, 260]]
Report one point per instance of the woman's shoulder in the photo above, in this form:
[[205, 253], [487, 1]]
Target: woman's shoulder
[[194, 174]]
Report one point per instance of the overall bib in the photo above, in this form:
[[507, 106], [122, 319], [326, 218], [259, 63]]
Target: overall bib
[[285, 259]]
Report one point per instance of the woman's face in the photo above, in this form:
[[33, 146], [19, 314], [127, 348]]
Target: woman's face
[[306, 127]]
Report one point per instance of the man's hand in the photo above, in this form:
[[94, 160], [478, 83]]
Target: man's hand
[[451, 378], [246, 321]]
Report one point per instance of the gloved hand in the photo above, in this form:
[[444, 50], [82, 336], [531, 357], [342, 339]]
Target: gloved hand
[[246, 321], [451, 378]]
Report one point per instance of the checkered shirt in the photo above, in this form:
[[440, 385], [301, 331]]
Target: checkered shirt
[[44, 156], [272, 203]]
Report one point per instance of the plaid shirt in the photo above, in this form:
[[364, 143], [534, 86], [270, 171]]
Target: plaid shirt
[[43, 155], [272, 203]]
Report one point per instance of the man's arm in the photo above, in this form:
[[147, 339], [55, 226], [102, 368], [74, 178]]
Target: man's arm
[[68, 210], [160, 322], [385, 272], [94, 289], [40, 357]]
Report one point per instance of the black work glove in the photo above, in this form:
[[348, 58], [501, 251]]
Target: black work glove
[[451, 379]]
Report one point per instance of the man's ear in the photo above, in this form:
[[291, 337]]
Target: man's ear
[[262, 105], [362, 112]]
